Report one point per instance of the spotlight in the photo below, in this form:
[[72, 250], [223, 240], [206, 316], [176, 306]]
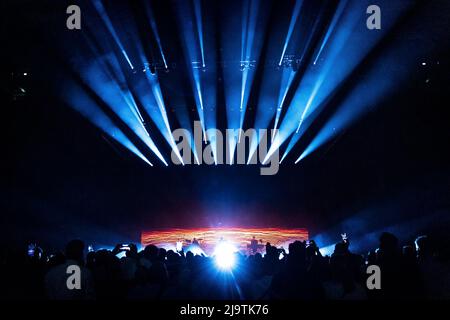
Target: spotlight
[[224, 256]]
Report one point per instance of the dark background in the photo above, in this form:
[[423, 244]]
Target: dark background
[[63, 178]]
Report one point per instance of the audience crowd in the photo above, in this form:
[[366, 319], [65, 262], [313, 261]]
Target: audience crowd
[[416, 271]]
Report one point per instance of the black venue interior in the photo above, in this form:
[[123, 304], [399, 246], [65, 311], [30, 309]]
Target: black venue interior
[[363, 137]]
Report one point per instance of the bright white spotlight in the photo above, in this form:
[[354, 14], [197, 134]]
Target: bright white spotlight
[[224, 256]]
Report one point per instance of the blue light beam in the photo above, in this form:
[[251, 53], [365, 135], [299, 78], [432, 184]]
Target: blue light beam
[[154, 28], [294, 17], [77, 99], [104, 16]]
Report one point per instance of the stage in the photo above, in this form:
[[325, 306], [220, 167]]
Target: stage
[[204, 240]]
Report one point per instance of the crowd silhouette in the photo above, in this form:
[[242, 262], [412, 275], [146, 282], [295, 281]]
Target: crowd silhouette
[[415, 271]]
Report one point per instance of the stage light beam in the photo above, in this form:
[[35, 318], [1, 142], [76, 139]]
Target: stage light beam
[[107, 21], [295, 14], [155, 31], [198, 18]]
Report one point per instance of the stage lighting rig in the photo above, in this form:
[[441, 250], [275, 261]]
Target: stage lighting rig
[[247, 65], [290, 61], [198, 65], [153, 67]]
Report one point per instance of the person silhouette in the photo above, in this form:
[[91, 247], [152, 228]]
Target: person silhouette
[[253, 245]]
